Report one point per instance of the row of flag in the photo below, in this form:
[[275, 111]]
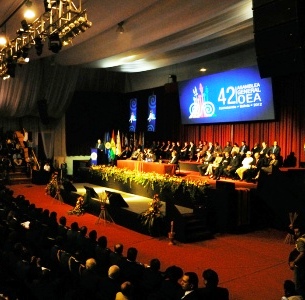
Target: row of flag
[[116, 142]]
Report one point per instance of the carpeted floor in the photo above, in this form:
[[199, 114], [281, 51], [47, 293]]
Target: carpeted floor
[[252, 266]]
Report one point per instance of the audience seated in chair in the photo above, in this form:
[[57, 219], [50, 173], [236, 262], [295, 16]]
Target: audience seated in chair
[[212, 291]]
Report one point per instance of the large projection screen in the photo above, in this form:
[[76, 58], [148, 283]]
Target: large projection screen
[[233, 96]]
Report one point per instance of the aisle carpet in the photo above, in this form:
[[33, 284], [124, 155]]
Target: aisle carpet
[[252, 266]]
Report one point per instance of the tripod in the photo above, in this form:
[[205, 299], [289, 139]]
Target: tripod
[[104, 214], [57, 188]]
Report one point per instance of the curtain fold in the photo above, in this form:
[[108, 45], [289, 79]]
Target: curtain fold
[[19, 98]]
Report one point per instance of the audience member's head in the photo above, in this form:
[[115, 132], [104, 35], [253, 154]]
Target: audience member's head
[[127, 288], [132, 254], [63, 221], [289, 288], [189, 281], [102, 241], [118, 248], [210, 278], [74, 226], [114, 272], [83, 230], [93, 235], [90, 264], [173, 273], [155, 264]]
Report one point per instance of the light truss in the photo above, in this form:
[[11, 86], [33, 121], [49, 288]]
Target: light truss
[[59, 24]]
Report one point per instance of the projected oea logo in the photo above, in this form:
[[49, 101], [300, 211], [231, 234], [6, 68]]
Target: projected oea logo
[[201, 106], [202, 109]]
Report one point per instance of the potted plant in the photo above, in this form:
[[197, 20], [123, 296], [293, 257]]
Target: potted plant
[[152, 217]]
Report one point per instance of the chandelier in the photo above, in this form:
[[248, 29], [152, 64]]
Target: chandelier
[[61, 22]]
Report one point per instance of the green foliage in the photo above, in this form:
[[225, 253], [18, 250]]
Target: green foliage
[[153, 180]]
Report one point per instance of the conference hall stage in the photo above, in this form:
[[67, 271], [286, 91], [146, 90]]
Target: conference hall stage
[[229, 206]]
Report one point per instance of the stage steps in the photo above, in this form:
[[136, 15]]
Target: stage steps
[[20, 176]]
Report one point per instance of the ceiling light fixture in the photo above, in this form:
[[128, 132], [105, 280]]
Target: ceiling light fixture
[[55, 43], [29, 13], [3, 39], [172, 78], [120, 28]]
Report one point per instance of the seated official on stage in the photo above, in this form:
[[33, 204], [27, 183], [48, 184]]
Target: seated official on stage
[[150, 156], [192, 151], [126, 153], [225, 162], [227, 148], [135, 154], [233, 166], [208, 159], [184, 151], [246, 165], [272, 165], [201, 150], [256, 165], [174, 159], [215, 164]]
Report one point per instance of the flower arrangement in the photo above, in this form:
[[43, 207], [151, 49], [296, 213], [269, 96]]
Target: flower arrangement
[[152, 214], [152, 180], [78, 209], [52, 187]]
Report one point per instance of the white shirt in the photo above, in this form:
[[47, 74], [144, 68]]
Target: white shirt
[[247, 162]]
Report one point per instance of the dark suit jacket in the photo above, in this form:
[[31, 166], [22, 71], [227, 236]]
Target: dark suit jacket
[[191, 296], [217, 293], [235, 162], [192, 151], [225, 161], [244, 149], [276, 150]]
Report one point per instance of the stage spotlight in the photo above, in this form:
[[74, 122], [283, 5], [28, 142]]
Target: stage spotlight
[[11, 67], [25, 25], [38, 45], [3, 40], [55, 43], [120, 28]]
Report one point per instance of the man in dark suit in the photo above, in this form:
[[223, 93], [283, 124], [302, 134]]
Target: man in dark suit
[[243, 149], [223, 165], [256, 165], [233, 166], [100, 152], [205, 163], [275, 149], [130, 269], [192, 151], [189, 284], [211, 291], [264, 153]]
